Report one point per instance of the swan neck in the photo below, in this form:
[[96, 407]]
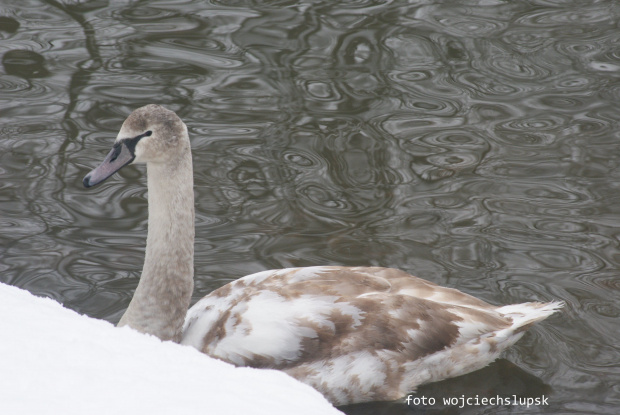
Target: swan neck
[[162, 298]]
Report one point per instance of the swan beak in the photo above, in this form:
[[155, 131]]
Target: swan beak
[[116, 159]]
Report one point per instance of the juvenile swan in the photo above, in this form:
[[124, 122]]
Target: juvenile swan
[[355, 334]]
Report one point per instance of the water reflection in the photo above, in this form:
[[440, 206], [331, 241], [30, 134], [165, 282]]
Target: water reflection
[[473, 143], [24, 63]]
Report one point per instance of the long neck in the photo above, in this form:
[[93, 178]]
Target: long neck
[[162, 298]]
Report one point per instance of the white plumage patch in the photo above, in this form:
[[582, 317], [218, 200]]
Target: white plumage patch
[[258, 277], [270, 326], [351, 377]]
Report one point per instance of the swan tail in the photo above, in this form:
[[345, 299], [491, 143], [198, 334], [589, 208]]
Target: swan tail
[[526, 314]]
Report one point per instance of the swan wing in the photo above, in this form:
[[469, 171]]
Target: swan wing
[[355, 334], [282, 318]]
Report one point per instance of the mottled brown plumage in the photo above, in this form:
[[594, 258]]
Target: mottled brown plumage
[[355, 334]]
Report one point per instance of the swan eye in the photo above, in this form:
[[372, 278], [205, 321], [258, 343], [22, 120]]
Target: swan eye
[[130, 143]]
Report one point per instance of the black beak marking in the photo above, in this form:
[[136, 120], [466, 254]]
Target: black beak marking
[[123, 152]]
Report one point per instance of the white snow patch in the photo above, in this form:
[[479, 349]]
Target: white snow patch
[[53, 360]]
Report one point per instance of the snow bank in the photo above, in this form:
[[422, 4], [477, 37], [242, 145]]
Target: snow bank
[[53, 360]]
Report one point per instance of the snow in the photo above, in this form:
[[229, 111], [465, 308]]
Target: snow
[[53, 360]]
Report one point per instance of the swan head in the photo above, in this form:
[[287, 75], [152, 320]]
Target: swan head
[[151, 134]]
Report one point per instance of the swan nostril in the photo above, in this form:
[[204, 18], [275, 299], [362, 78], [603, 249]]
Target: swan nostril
[[117, 150]]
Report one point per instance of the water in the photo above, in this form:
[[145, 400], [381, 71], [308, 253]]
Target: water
[[472, 143]]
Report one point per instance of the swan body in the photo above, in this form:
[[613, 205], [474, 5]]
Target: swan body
[[355, 334]]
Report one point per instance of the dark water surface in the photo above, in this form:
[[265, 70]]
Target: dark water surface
[[472, 143]]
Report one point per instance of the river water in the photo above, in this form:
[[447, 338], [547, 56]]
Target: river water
[[471, 143]]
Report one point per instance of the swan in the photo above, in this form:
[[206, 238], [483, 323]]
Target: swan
[[356, 334]]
